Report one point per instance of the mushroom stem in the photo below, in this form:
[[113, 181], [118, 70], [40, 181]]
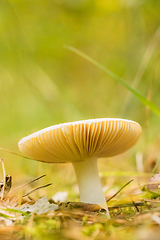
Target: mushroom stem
[[90, 187]]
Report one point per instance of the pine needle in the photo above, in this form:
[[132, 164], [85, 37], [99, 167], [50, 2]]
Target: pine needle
[[119, 190], [26, 184], [37, 189]]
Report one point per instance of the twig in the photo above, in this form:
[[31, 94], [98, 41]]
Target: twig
[[4, 176], [134, 205], [151, 200], [119, 190], [37, 189], [130, 204], [26, 184]]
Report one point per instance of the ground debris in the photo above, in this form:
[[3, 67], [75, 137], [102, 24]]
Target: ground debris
[[8, 185], [77, 220], [39, 207], [154, 183], [30, 218], [80, 205]]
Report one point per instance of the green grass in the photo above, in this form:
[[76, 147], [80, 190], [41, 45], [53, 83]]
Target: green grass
[[144, 100]]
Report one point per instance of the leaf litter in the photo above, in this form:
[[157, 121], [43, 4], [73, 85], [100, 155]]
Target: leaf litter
[[135, 214]]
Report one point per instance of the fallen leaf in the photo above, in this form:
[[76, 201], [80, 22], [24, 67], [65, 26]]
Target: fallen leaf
[[40, 207]]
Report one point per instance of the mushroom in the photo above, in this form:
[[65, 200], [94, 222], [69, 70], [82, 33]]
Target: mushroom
[[82, 143]]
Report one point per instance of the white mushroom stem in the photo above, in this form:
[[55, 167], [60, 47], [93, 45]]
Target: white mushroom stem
[[90, 187]]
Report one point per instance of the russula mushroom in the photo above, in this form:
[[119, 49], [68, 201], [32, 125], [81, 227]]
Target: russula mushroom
[[81, 143]]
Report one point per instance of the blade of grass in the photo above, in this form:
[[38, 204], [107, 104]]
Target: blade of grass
[[5, 216], [145, 101], [42, 81], [6, 150], [119, 190], [16, 211], [156, 166], [143, 65]]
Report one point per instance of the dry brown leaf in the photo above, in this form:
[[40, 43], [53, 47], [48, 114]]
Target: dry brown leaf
[[79, 205]]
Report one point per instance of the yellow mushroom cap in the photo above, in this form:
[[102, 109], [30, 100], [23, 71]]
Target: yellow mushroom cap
[[80, 140]]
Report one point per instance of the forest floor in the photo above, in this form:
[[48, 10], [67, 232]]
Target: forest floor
[[135, 215]]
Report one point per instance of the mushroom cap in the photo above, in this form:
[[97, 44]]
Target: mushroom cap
[[80, 140]]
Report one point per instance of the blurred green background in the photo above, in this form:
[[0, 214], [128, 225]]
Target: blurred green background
[[42, 83]]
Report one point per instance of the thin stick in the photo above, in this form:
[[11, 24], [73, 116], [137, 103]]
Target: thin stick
[[135, 205], [119, 190], [4, 176], [26, 184], [37, 189]]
